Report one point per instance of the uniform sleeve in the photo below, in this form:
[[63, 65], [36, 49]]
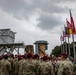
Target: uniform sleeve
[[60, 69], [52, 72], [9, 66]]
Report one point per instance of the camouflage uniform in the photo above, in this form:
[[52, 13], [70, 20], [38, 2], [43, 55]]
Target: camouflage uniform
[[74, 72], [56, 66], [28, 67], [65, 68], [15, 67], [46, 68], [36, 62], [0, 67], [17, 62], [11, 60], [20, 66], [5, 67]]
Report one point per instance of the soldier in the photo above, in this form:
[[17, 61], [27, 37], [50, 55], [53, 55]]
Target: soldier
[[36, 61], [28, 67], [66, 66], [46, 68], [5, 66], [11, 60], [56, 65], [16, 65], [20, 63], [74, 72], [74, 63], [36, 57]]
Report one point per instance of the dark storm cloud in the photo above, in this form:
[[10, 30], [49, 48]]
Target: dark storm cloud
[[22, 9]]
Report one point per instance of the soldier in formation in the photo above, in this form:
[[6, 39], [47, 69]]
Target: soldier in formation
[[34, 65], [5, 66], [66, 66], [46, 68]]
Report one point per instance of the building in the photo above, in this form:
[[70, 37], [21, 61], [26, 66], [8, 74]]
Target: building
[[7, 36], [40, 47], [29, 48]]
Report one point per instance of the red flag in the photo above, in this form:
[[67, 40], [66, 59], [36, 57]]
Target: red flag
[[69, 26], [72, 22], [75, 32]]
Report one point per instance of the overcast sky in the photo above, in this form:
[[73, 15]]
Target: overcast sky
[[34, 20]]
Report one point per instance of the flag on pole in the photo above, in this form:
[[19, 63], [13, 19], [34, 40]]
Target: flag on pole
[[72, 22], [64, 34], [73, 32], [62, 38], [66, 31], [69, 26]]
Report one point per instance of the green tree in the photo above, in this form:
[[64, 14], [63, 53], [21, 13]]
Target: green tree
[[56, 51]]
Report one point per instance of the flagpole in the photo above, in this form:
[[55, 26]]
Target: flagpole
[[63, 41], [68, 37], [65, 45], [61, 47], [69, 46], [73, 30], [73, 44]]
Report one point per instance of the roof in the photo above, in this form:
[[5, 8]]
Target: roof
[[41, 42], [5, 29]]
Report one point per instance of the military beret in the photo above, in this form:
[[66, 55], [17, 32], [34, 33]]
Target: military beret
[[59, 55], [5, 56], [36, 56], [24, 56], [19, 58], [45, 58], [19, 55], [29, 55], [64, 55]]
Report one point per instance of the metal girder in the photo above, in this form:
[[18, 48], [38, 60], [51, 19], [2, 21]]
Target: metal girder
[[5, 48]]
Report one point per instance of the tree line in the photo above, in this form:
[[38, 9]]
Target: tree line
[[63, 48]]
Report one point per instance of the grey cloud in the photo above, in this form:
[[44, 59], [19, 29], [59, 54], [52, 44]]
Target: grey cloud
[[22, 9], [47, 22], [19, 8]]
